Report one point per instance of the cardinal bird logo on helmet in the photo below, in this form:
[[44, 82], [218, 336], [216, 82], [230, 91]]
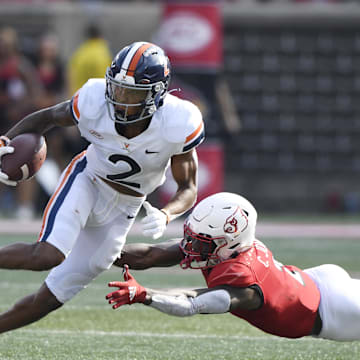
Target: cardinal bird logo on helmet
[[237, 220]]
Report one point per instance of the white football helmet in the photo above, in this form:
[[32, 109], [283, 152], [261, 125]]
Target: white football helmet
[[220, 226]]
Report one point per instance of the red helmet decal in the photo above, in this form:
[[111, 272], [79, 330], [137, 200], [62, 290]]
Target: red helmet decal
[[236, 220]]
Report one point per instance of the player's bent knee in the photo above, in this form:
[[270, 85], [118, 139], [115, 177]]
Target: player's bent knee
[[45, 256]]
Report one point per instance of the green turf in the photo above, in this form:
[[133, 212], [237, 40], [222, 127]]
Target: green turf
[[87, 328]]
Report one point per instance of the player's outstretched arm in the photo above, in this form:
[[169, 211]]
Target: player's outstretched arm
[[43, 120], [176, 302], [38, 122], [144, 256]]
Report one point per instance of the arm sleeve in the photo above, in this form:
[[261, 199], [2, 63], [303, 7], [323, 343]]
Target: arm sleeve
[[213, 302]]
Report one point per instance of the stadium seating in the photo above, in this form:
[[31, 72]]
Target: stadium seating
[[297, 93]]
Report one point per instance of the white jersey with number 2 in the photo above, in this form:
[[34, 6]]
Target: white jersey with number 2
[[138, 163]]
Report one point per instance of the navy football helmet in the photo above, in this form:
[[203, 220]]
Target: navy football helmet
[[137, 82]]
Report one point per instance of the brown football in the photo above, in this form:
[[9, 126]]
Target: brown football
[[28, 156]]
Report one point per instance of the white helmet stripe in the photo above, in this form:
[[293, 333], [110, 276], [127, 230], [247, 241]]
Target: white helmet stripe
[[128, 58]]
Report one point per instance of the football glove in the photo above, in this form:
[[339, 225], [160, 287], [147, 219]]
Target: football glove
[[5, 149], [155, 221], [130, 291]]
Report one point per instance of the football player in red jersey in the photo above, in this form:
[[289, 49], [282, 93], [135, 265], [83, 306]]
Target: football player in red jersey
[[243, 277]]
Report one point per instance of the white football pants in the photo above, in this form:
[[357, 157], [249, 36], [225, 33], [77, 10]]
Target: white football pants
[[88, 222], [339, 302]]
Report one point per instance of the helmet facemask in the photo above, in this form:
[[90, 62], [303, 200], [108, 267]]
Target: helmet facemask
[[198, 250], [137, 82], [145, 97]]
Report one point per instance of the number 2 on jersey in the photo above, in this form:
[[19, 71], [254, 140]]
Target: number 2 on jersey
[[134, 169], [264, 259], [295, 274]]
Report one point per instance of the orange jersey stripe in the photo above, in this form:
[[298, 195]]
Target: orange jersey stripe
[[134, 61], [196, 132], [75, 105], [66, 176]]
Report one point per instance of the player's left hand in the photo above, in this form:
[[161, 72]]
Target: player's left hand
[[5, 149], [155, 221], [129, 292]]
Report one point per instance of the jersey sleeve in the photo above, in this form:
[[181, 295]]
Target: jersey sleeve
[[86, 102], [232, 274], [194, 131], [75, 107], [183, 124]]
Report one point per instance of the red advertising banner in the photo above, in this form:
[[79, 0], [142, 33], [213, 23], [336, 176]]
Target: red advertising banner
[[191, 34], [210, 174]]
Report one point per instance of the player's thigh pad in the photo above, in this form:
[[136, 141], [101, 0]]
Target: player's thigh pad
[[112, 232], [339, 302], [95, 251], [68, 210], [110, 203]]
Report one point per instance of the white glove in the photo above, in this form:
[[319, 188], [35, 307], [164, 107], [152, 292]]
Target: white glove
[[155, 221], [4, 149]]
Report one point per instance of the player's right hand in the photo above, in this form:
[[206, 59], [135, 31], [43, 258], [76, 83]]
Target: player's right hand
[[155, 221], [129, 292], [5, 149]]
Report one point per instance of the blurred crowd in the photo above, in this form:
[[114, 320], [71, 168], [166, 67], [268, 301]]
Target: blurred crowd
[[29, 82]]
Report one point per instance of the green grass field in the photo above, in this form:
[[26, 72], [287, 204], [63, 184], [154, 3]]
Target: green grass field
[[87, 327]]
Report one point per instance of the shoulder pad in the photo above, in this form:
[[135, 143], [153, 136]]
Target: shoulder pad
[[89, 99], [231, 273], [182, 121]]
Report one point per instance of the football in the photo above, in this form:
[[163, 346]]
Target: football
[[28, 156]]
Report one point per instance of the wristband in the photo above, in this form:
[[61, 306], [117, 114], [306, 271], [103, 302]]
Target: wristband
[[167, 215]]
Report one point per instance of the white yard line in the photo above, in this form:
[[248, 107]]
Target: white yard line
[[146, 334]]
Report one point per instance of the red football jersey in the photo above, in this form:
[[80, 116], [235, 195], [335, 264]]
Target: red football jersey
[[291, 298]]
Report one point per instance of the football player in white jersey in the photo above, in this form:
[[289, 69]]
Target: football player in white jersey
[[137, 129]]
